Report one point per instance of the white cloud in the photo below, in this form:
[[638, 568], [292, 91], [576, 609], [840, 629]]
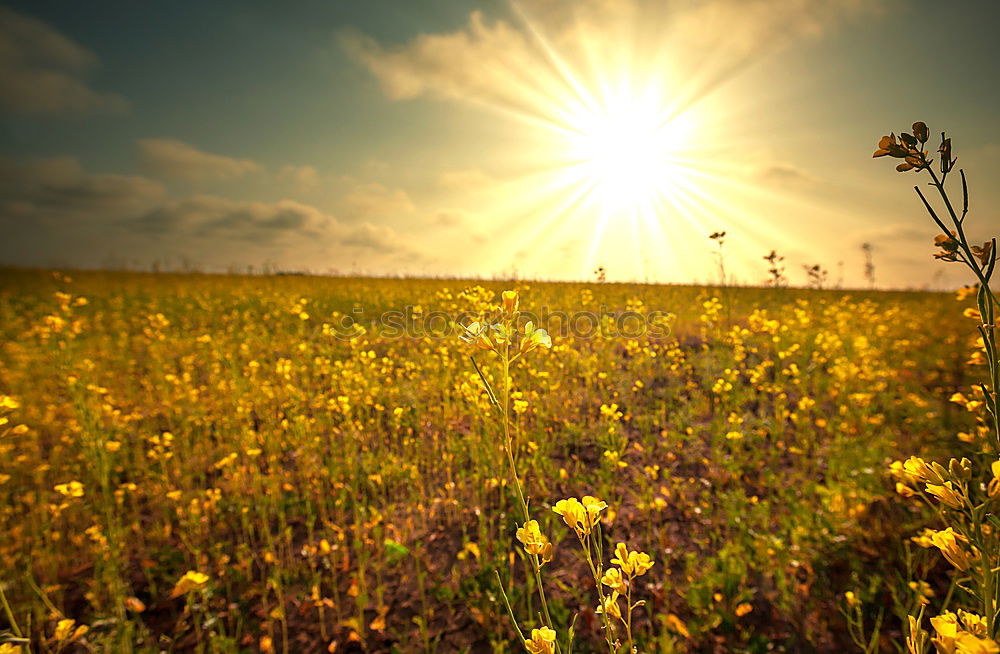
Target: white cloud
[[43, 72], [177, 160], [470, 61], [528, 64]]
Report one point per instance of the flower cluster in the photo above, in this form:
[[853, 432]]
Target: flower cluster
[[961, 633], [501, 330], [580, 515], [534, 541]]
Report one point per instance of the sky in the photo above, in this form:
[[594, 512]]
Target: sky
[[537, 139]]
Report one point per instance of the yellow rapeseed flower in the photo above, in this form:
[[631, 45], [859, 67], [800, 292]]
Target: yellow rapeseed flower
[[594, 507], [534, 540], [70, 489], [580, 516], [613, 579], [633, 564], [542, 641], [535, 338], [190, 581], [946, 494], [973, 623], [919, 469], [966, 643], [509, 301], [948, 541], [64, 629], [610, 605], [946, 628], [994, 486]]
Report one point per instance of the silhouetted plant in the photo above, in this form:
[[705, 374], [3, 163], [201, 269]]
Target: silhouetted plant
[[776, 269], [965, 491], [867, 248], [720, 240], [816, 275]]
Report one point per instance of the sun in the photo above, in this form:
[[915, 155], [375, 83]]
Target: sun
[[624, 149]]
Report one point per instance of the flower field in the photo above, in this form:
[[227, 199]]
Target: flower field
[[309, 464]]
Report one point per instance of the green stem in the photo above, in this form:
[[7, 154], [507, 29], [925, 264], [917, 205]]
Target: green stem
[[509, 449]]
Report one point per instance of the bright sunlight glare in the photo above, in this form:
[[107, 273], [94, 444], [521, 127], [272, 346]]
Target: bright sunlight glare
[[623, 150]]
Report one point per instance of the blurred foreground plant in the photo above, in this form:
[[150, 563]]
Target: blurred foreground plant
[[964, 492]]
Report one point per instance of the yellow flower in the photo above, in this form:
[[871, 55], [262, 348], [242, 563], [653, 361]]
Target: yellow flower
[[919, 469], [477, 334], [534, 540], [70, 489], [614, 580], [594, 507], [64, 629], [633, 564], [542, 641], [946, 494], [7, 648], [581, 517], [948, 542], [900, 473], [190, 581], [573, 514], [924, 538], [610, 606], [994, 487], [946, 626], [508, 301], [973, 623], [966, 643], [743, 609], [535, 338]]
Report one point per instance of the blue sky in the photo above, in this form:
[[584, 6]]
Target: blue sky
[[446, 137]]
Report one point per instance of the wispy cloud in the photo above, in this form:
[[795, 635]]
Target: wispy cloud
[[44, 72], [523, 63], [58, 189], [783, 174], [278, 225], [176, 160]]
